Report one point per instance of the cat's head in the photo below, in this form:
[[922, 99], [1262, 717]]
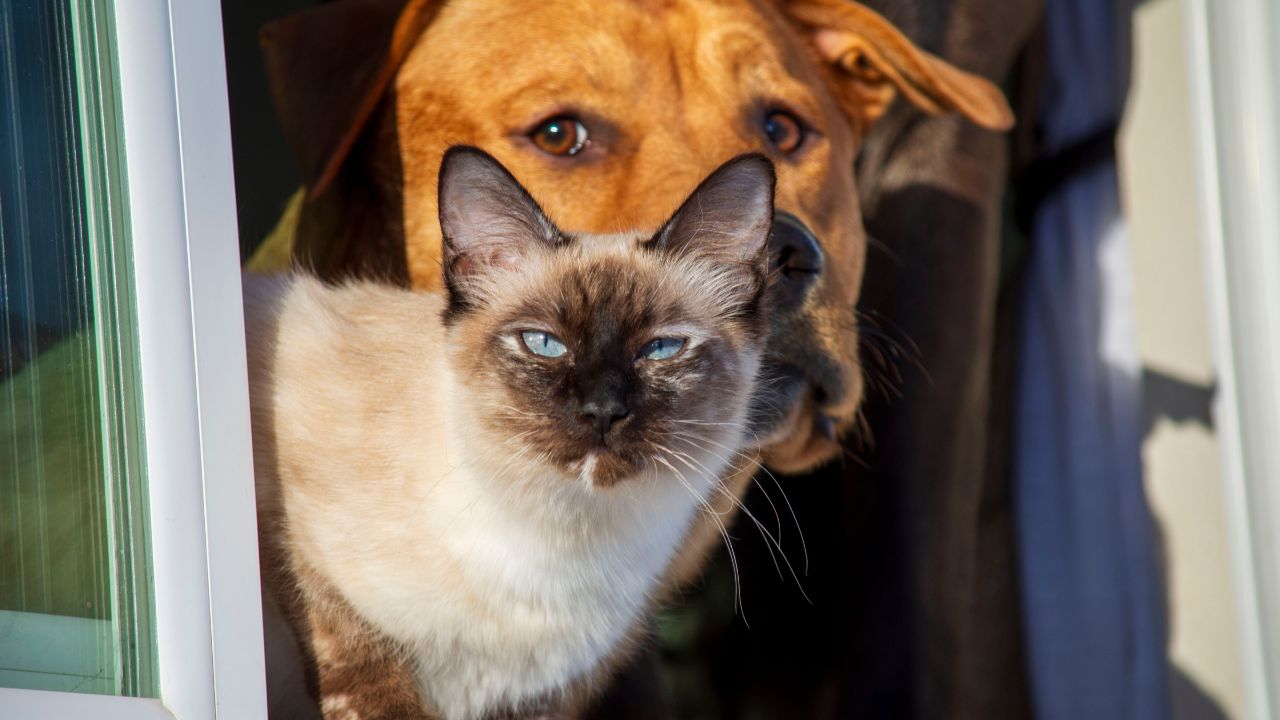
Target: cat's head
[[606, 357]]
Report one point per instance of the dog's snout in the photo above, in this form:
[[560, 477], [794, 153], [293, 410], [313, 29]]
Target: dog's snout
[[797, 258]]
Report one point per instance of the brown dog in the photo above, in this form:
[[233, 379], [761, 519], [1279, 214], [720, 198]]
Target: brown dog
[[372, 92], [610, 113]]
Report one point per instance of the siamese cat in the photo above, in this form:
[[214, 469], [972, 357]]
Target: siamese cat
[[468, 500]]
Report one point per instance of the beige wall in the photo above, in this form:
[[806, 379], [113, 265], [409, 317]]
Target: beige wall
[[1181, 453]]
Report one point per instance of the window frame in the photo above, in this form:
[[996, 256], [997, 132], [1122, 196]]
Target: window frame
[[1235, 110], [198, 453], [195, 406]]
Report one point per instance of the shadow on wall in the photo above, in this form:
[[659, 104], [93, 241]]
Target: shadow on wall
[[1180, 401], [1189, 700]]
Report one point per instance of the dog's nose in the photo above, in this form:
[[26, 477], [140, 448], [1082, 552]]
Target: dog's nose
[[797, 259], [602, 413]]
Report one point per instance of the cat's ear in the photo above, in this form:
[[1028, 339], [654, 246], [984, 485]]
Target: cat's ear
[[728, 217], [487, 219]]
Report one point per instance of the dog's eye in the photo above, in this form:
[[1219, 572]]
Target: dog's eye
[[784, 131], [562, 135]]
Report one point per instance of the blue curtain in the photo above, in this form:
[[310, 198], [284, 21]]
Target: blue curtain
[[1092, 593]]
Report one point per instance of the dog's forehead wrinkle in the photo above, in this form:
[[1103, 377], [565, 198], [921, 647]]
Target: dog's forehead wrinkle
[[599, 50]]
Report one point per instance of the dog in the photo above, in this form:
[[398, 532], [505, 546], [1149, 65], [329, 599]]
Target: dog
[[610, 113]]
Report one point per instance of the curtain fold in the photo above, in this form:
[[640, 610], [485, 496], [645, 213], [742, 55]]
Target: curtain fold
[[1092, 596]]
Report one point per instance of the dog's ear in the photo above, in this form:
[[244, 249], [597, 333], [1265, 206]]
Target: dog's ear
[[877, 61], [329, 68], [487, 221]]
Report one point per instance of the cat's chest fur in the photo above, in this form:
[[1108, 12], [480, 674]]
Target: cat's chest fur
[[506, 587], [504, 591]]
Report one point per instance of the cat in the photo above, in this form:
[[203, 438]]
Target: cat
[[468, 499]]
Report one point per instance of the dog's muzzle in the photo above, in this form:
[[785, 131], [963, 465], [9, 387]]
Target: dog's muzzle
[[797, 260]]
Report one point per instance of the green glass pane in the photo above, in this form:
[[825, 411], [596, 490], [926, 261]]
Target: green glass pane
[[74, 600]]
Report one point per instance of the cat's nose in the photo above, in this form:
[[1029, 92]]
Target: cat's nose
[[602, 414]]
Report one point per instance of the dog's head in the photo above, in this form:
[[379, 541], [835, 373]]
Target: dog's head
[[610, 113]]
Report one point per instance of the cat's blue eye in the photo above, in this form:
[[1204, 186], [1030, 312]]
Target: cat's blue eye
[[662, 349], [543, 343]]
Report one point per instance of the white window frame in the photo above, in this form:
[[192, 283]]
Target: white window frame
[[190, 325], [198, 459], [1234, 66]]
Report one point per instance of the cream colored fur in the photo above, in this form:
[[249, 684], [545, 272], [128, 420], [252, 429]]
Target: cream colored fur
[[509, 580]]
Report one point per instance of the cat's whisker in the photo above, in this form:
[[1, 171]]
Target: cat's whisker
[[521, 413], [690, 460], [770, 543], [724, 531], [790, 508], [738, 503], [804, 547], [514, 458], [777, 517]]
